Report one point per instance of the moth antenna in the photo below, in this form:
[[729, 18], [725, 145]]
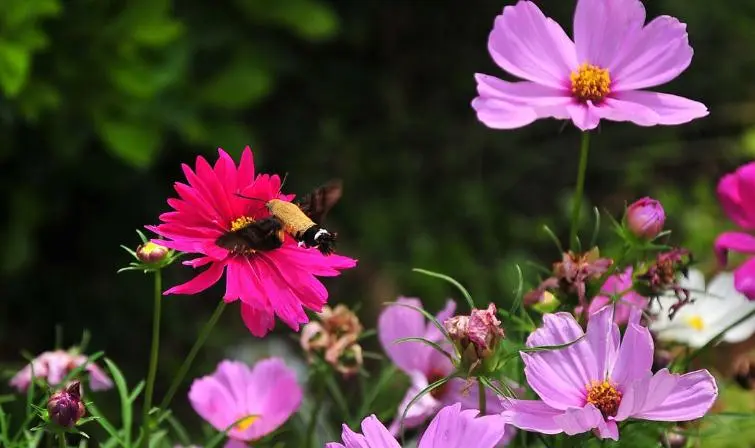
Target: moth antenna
[[283, 182], [249, 197]]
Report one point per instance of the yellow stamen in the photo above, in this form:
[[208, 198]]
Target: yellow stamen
[[247, 422], [240, 223], [604, 396], [696, 322], [590, 83]]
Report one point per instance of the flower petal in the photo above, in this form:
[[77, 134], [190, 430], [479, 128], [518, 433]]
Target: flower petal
[[532, 415], [744, 278], [530, 46], [421, 410], [432, 333], [736, 241], [500, 114], [585, 116], [603, 337], [376, 435], [201, 282], [559, 376], [396, 322], [635, 357], [579, 420], [745, 176], [454, 428], [691, 396], [651, 108], [602, 26], [654, 56], [259, 321]]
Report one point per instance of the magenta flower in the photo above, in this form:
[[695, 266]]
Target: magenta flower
[[735, 192], [629, 300], [280, 282], [600, 380], [260, 399], [598, 76], [54, 366], [425, 365], [451, 428]]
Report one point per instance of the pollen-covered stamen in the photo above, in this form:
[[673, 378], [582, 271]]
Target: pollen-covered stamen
[[247, 422], [590, 83], [696, 322], [604, 396], [240, 223]]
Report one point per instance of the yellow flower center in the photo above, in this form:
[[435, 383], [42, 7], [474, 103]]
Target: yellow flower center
[[240, 223], [696, 322], [604, 396], [247, 422], [590, 83]]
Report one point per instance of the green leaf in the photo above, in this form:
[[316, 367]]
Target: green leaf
[[245, 81], [159, 33], [310, 19], [15, 60], [458, 285], [134, 143], [126, 411]]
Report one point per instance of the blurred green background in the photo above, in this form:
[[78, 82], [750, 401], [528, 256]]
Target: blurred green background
[[100, 102]]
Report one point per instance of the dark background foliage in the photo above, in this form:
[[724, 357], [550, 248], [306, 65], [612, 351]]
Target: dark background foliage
[[100, 102]]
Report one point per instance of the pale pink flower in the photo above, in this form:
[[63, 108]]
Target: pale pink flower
[[619, 284], [280, 282], [425, 365], [597, 76], [602, 379], [54, 366], [261, 399], [735, 192], [451, 428]]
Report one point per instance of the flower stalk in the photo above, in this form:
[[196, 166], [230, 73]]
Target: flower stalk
[[584, 149], [154, 355]]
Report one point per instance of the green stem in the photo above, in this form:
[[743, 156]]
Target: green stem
[[312, 424], [577, 203], [718, 337], [483, 397], [184, 369], [62, 440], [153, 358]]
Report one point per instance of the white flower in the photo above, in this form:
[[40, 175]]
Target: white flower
[[712, 311]]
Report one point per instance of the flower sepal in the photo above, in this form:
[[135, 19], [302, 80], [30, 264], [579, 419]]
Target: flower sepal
[[149, 256]]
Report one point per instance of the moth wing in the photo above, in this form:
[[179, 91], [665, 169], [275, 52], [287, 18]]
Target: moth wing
[[317, 204], [260, 235]]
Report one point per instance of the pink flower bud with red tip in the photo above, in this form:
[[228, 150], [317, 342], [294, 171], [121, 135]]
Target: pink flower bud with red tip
[[65, 407], [645, 218], [151, 253]]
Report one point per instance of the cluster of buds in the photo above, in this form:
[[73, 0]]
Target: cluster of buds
[[662, 275], [645, 218], [334, 338], [570, 276], [476, 336], [65, 406]]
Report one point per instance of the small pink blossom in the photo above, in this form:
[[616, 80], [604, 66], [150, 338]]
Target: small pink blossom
[[601, 74], [261, 398], [645, 218], [55, 366], [628, 300], [451, 428], [735, 192], [280, 282], [603, 379]]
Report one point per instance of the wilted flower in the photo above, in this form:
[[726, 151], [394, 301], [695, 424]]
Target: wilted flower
[[619, 285], [425, 365], [476, 335], [280, 282], [451, 428], [602, 379], [645, 218], [151, 253], [55, 366], [660, 276], [598, 76], [710, 312], [65, 407], [261, 399], [571, 274], [335, 338], [735, 195]]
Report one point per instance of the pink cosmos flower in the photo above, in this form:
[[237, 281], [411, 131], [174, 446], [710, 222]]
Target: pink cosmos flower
[[600, 380], [280, 282], [618, 284], [260, 399], [598, 76], [425, 365], [54, 366], [735, 192], [451, 428]]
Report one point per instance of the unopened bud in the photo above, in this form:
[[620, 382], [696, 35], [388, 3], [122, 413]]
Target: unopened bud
[[151, 253], [65, 407], [675, 439], [645, 218], [476, 336]]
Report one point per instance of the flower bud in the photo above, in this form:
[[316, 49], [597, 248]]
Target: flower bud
[[151, 253], [645, 218], [65, 407], [476, 336]]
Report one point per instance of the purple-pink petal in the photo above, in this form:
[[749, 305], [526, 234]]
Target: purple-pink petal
[[496, 113], [396, 322], [201, 282], [584, 115], [654, 108], [532, 415], [601, 28], [688, 397], [736, 241], [578, 420], [731, 200], [635, 356], [456, 428], [744, 278]]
